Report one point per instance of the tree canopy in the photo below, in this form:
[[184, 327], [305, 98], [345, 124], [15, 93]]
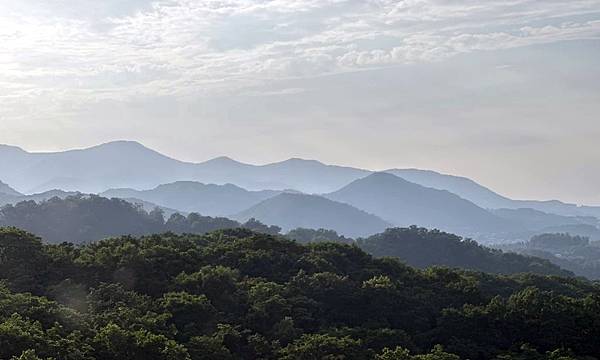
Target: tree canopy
[[85, 218], [238, 294]]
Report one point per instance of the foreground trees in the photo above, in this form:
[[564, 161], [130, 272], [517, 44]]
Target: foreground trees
[[236, 294]]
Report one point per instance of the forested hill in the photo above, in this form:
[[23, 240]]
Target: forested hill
[[422, 248], [235, 294], [87, 218]]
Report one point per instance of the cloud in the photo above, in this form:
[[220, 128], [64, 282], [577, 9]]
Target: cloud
[[204, 47]]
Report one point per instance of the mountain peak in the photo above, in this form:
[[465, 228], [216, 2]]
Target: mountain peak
[[296, 161], [301, 160], [223, 161], [383, 177], [122, 144]]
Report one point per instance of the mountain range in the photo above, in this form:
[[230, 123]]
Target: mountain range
[[128, 164], [225, 187]]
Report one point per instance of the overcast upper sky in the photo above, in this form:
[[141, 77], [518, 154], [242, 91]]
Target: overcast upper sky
[[505, 92]]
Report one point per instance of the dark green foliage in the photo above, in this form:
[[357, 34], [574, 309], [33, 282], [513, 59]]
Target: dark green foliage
[[237, 294], [22, 259], [89, 218], [571, 252], [79, 218], [305, 236], [85, 218], [255, 225], [422, 248]]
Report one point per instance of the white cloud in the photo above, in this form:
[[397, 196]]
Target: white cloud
[[200, 47]]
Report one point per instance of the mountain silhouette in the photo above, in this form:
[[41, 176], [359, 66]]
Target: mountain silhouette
[[290, 211], [190, 196], [404, 203], [128, 164]]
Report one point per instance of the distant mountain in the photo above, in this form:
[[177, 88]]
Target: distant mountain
[[7, 190], [308, 176], [311, 176], [128, 164], [486, 198], [116, 164], [587, 230], [291, 211], [461, 186], [404, 203], [538, 220], [558, 207], [43, 196], [189, 196]]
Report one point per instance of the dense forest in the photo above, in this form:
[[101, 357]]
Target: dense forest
[[305, 236], [237, 294], [572, 252], [422, 248], [85, 218]]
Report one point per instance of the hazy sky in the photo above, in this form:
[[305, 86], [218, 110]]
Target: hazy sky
[[505, 92]]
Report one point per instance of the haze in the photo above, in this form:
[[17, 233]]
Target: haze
[[504, 92]]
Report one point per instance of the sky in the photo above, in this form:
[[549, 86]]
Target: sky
[[504, 92]]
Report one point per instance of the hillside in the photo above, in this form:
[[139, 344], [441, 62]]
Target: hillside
[[7, 190], [536, 220], [79, 218], [39, 197], [290, 211], [404, 203], [189, 196], [461, 186], [311, 176], [572, 252], [424, 248], [486, 198], [236, 294], [85, 218]]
